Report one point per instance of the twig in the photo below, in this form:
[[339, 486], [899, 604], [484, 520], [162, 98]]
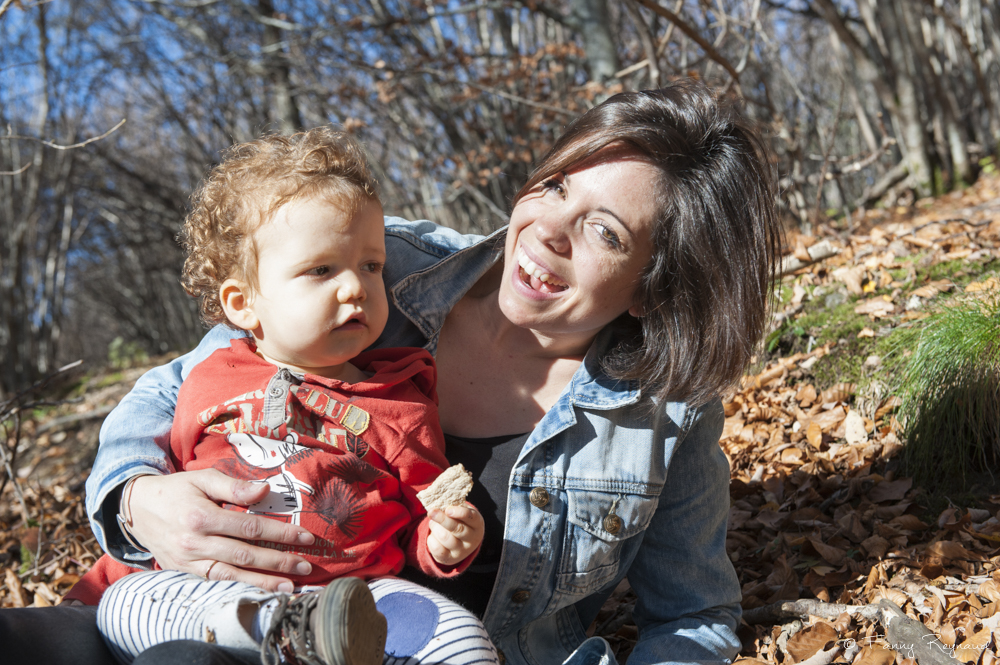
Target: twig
[[61, 422], [482, 198], [56, 146], [821, 250], [4, 6], [784, 610], [520, 100], [17, 172]]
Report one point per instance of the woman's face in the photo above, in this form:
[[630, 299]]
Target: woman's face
[[578, 243]]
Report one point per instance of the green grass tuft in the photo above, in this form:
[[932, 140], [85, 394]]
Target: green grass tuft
[[950, 387]]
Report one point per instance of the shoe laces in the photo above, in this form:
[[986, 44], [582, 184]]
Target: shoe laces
[[289, 637]]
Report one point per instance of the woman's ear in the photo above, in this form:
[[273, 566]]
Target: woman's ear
[[236, 300]]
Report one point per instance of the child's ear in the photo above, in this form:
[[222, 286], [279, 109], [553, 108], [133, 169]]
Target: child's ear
[[236, 303]]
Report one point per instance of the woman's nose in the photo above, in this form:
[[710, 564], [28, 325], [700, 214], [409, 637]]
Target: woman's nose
[[552, 230]]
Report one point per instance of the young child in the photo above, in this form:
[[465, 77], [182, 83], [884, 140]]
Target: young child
[[286, 242]]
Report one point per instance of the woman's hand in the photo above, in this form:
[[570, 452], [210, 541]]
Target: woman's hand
[[179, 520], [456, 532]]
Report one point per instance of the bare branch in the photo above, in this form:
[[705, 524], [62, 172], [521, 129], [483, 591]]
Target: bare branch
[[17, 172], [3, 7], [55, 146], [520, 100], [692, 35]]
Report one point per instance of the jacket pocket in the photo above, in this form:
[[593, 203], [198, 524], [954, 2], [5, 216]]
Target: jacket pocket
[[598, 524]]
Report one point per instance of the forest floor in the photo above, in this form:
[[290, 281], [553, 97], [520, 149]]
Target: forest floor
[[822, 512]]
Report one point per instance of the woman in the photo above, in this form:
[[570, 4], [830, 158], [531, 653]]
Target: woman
[[581, 353]]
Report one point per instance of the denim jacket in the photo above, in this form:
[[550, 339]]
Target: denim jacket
[[606, 487]]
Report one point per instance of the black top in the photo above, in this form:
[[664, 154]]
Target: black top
[[490, 461]]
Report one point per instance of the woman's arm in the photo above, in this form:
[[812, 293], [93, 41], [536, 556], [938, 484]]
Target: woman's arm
[[688, 593], [176, 516]]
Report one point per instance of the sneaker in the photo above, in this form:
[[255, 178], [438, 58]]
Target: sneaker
[[336, 626]]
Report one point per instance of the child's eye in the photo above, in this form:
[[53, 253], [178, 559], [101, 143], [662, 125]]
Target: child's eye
[[373, 267], [319, 271]]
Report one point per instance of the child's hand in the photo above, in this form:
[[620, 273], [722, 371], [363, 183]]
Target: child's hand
[[455, 533]]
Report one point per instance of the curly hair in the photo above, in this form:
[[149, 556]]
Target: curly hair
[[705, 295], [246, 189]]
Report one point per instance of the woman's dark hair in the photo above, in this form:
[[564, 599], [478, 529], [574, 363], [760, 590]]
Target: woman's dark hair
[[705, 295]]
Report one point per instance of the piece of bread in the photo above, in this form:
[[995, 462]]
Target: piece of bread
[[450, 489]]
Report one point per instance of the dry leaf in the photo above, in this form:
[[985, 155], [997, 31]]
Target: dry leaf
[[732, 427], [14, 587], [792, 456], [894, 595], [887, 405], [990, 590], [988, 285], [851, 277], [875, 653], [814, 435], [875, 546], [806, 395], [949, 549], [827, 420], [830, 554], [811, 639], [947, 635], [876, 307], [908, 522], [855, 431], [887, 490], [838, 392], [931, 289]]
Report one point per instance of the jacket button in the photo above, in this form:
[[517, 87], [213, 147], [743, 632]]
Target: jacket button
[[500, 657], [612, 524], [539, 498], [520, 596]]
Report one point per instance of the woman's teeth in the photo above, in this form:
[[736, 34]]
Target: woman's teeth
[[537, 276]]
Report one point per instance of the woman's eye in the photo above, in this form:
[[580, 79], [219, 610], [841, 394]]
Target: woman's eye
[[554, 185], [319, 271], [608, 236]]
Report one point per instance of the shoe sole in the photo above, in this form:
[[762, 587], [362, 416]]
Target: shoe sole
[[349, 629]]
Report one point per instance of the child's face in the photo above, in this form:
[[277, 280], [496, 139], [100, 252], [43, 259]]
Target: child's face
[[321, 299]]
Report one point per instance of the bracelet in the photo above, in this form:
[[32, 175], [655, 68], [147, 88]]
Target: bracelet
[[125, 514]]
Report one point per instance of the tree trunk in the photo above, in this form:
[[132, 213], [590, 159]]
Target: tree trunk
[[594, 24]]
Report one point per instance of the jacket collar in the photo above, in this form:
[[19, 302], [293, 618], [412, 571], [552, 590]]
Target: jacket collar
[[444, 283]]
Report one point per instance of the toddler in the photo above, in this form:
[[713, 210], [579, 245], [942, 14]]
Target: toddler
[[286, 242]]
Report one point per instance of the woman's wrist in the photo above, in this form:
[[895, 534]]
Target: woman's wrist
[[124, 517]]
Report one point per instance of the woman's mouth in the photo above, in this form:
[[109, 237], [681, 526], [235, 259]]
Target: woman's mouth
[[536, 277]]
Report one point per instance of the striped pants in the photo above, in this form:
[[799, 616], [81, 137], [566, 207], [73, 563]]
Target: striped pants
[[145, 609]]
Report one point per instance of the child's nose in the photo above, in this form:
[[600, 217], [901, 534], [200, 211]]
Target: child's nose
[[351, 288]]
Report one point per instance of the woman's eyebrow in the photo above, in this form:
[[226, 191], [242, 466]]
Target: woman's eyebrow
[[615, 215]]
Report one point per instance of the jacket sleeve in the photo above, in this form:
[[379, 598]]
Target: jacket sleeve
[[688, 593], [135, 440]]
